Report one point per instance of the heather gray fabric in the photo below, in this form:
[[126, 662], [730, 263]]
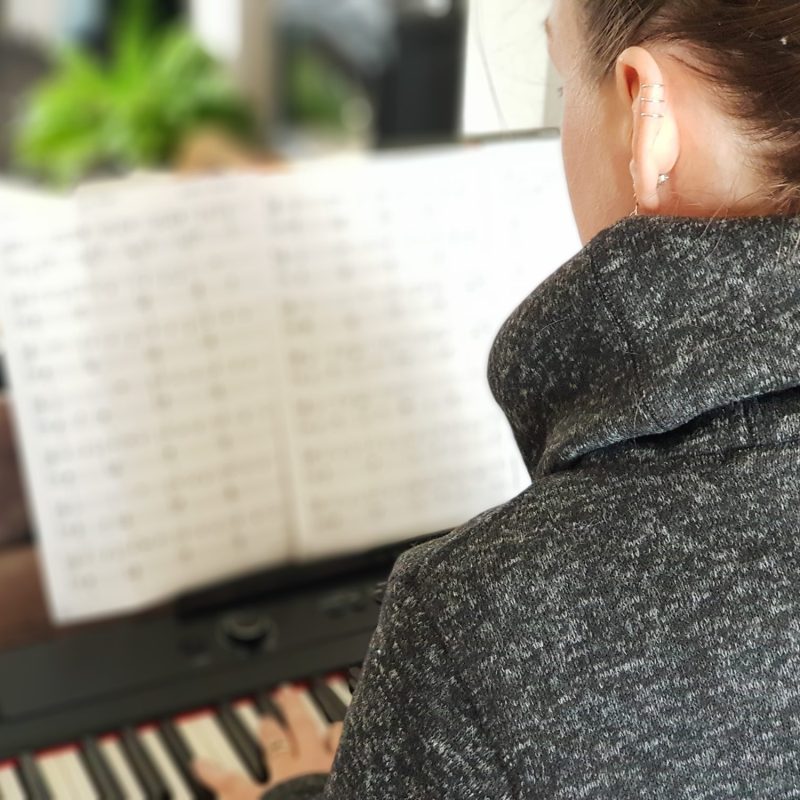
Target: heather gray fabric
[[629, 626], [307, 786]]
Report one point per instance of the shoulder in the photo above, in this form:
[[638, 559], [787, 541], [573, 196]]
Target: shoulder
[[568, 536], [538, 532]]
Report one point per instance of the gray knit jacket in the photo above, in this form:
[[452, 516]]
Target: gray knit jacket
[[629, 625]]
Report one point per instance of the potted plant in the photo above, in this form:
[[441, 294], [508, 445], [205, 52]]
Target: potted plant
[[134, 109]]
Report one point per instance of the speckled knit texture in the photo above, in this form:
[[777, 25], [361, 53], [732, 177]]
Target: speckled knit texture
[[628, 626], [307, 786]]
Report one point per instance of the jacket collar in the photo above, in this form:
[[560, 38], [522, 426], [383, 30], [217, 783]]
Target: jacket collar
[[656, 322]]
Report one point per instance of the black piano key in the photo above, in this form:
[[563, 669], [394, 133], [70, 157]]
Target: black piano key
[[32, 779], [96, 765], [353, 677], [328, 701], [154, 788], [182, 756], [268, 708], [247, 748]]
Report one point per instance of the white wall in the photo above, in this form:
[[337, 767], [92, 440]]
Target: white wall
[[509, 84], [40, 20], [219, 26], [239, 32]]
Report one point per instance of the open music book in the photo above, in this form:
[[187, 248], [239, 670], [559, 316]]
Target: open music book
[[218, 375]]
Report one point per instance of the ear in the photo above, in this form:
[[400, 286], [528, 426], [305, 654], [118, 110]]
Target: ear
[[655, 141]]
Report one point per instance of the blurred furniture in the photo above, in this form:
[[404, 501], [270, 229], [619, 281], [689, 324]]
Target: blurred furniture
[[14, 522], [418, 96], [391, 69], [24, 614], [21, 66]]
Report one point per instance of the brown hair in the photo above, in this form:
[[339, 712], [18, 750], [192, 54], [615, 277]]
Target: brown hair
[[749, 51]]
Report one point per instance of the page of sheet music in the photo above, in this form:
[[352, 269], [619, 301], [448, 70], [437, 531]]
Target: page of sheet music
[[218, 375], [394, 278], [141, 350]]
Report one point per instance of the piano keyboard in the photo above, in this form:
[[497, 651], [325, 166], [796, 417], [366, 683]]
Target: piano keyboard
[[152, 760], [121, 710]]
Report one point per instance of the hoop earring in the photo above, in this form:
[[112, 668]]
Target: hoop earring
[[662, 179]]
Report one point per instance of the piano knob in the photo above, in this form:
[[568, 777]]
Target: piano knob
[[247, 629]]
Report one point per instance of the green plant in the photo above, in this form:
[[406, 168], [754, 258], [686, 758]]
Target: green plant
[[316, 93], [133, 110]]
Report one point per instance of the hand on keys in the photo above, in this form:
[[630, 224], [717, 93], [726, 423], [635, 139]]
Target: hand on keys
[[300, 748]]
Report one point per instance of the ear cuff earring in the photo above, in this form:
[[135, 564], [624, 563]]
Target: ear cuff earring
[[651, 103]]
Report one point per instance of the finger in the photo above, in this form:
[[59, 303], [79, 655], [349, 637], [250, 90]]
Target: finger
[[275, 741], [335, 736], [303, 727], [227, 785]]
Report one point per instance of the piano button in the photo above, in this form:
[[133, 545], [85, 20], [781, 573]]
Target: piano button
[[162, 760], [379, 591], [244, 743], [32, 778], [249, 717], [181, 754], [340, 686], [247, 628], [98, 768], [122, 771], [154, 788], [328, 701], [10, 786]]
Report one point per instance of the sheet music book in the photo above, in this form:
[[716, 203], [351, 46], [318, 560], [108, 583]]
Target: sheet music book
[[218, 375]]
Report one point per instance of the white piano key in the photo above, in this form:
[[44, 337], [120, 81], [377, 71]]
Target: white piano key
[[178, 790], [123, 772], [206, 740], [249, 717], [10, 787], [78, 779], [320, 720], [31, 777], [342, 690], [51, 766]]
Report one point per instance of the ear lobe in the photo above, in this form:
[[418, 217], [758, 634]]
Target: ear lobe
[[655, 139]]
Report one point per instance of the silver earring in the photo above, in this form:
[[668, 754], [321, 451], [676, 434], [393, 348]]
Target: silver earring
[[662, 179], [657, 100]]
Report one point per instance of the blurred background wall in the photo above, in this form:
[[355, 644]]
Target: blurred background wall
[[510, 84], [90, 88]]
